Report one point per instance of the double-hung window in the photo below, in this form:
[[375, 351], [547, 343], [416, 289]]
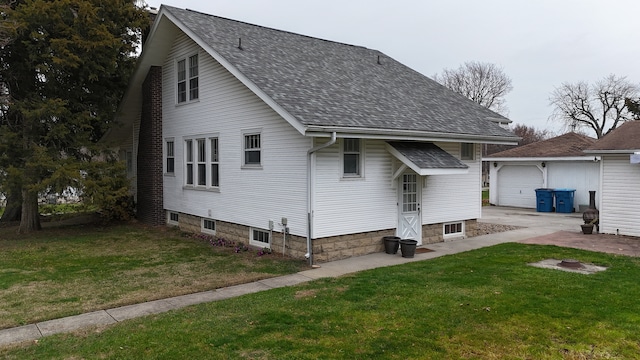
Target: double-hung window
[[187, 75], [215, 162], [189, 161], [202, 162], [202, 159], [170, 158], [252, 150], [351, 158], [467, 151]]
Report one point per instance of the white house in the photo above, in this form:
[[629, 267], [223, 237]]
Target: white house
[[619, 195], [558, 162], [308, 146]]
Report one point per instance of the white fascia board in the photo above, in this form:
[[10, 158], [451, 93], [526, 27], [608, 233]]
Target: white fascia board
[[405, 135], [611, 152], [426, 171], [239, 75], [538, 159]]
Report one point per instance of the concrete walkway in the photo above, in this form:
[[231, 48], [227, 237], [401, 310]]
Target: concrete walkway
[[535, 225]]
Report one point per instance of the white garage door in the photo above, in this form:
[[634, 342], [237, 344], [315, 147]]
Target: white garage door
[[517, 185]]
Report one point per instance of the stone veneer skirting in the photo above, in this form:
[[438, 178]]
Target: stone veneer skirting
[[324, 249]]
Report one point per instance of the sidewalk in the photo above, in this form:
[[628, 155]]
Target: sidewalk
[[538, 226]]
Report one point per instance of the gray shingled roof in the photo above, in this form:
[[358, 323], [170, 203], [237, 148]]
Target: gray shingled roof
[[427, 155], [329, 84]]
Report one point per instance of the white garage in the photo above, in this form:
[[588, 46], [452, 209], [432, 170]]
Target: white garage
[[554, 163], [517, 184]]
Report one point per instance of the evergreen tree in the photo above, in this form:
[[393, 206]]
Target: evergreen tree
[[64, 69]]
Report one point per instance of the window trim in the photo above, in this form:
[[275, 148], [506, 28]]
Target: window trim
[[206, 230], [189, 169], [257, 242], [167, 156], [463, 153], [172, 222], [201, 162], [190, 80], [361, 159], [214, 161], [453, 234], [259, 149]]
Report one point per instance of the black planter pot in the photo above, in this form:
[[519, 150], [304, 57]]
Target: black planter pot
[[408, 247], [587, 228], [391, 244]]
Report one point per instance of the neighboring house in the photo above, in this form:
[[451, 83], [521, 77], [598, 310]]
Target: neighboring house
[[619, 195], [558, 162], [247, 133]]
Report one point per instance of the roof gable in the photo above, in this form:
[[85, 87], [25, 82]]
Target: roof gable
[[623, 139], [327, 85], [567, 145]]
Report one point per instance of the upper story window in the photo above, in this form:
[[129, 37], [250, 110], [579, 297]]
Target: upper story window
[[187, 75], [467, 151], [170, 159], [202, 162], [252, 150], [351, 158]]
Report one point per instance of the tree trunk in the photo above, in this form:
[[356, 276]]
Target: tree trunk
[[30, 216], [13, 211]]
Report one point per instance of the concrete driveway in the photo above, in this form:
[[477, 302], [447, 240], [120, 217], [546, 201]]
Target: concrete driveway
[[560, 229]]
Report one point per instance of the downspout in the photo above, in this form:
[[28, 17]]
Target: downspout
[[309, 254]]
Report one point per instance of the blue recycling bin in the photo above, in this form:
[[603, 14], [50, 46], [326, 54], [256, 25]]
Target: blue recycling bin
[[564, 200], [544, 200]]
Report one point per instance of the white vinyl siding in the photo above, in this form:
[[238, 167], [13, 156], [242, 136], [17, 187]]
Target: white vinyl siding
[[620, 200], [448, 198], [580, 175], [226, 106], [346, 207]]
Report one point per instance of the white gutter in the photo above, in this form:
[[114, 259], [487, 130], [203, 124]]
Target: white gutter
[[391, 134], [311, 151]]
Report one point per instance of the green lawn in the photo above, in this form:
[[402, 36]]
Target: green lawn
[[485, 197], [482, 304], [67, 271]]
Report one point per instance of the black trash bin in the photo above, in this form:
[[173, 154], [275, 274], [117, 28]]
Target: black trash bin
[[408, 247]]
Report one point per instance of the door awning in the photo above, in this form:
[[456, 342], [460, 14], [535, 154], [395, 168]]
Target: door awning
[[426, 158]]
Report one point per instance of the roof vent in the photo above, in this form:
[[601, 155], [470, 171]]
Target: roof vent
[[379, 63], [240, 44]]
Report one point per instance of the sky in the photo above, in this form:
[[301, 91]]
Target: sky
[[539, 44]]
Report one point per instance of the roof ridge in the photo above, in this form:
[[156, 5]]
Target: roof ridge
[[274, 29]]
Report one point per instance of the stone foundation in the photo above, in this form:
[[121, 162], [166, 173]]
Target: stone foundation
[[324, 249]]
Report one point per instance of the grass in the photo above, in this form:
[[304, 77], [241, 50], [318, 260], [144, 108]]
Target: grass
[[482, 304], [485, 197], [66, 271]]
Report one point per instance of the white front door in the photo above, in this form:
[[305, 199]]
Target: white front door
[[409, 197]]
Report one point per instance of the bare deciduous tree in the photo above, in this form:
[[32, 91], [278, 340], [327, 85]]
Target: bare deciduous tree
[[529, 134], [483, 83], [600, 107]]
